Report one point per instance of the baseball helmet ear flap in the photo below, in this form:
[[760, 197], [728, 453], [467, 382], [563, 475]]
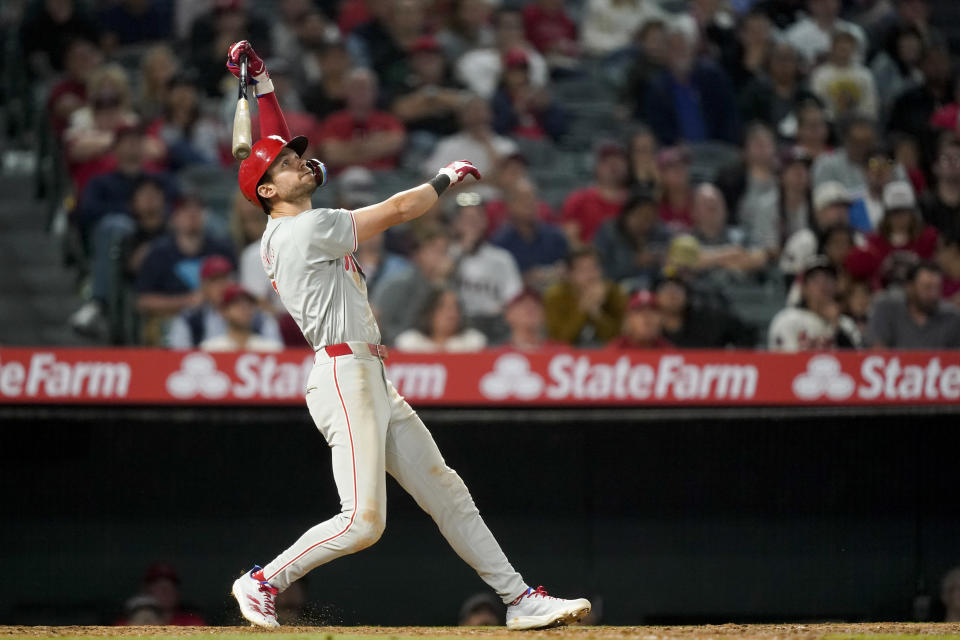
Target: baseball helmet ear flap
[[264, 152]]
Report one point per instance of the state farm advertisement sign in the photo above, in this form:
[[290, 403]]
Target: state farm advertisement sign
[[491, 378]]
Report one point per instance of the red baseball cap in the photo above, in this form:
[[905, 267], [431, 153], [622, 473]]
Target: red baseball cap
[[234, 291], [642, 300], [516, 57], [425, 44], [264, 152], [214, 267]]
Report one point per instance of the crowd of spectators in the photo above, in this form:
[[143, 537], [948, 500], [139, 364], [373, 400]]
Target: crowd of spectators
[[840, 188]]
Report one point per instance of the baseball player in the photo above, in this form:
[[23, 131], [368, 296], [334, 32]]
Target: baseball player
[[308, 255]]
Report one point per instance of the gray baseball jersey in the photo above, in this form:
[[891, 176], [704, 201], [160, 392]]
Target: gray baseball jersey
[[309, 259]]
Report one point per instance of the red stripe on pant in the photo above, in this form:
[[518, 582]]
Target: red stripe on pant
[[353, 461]]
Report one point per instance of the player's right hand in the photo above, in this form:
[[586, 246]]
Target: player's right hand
[[255, 65], [458, 170]]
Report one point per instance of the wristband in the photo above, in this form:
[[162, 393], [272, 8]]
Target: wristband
[[264, 84], [440, 182]]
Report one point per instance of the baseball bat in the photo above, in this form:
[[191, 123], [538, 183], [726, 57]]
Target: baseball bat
[[242, 137]]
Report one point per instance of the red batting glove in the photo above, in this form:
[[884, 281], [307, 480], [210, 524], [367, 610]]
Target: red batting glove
[[256, 70], [458, 170]]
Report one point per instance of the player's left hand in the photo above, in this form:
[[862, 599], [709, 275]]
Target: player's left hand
[[319, 171], [458, 170]]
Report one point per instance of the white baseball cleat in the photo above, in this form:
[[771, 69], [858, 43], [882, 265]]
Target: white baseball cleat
[[536, 610], [256, 599]]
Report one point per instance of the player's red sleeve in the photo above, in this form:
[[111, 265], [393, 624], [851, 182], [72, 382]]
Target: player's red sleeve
[[272, 122]]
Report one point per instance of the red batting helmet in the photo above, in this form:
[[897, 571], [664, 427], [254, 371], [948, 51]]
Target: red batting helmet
[[261, 157]]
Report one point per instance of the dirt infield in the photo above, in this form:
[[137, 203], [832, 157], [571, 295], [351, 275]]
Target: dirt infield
[[709, 632]]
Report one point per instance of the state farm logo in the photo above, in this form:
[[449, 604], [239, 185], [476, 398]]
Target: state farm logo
[[511, 376], [823, 377], [198, 375]]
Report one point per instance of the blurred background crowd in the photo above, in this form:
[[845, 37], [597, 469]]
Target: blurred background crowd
[[657, 173]]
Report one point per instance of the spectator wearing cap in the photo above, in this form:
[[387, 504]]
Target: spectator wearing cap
[[867, 210], [521, 109], [161, 582], [941, 205], [118, 245], [110, 192], [476, 140], [585, 309], [538, 248], [587, 208], [688, 325], [774, 97], [815, 323], [675, 103], [238, 309], [169, 278], [427, 100], [918, 319], [676, 189], [642, 325], [831, 206], [901, 230], [633, 244], [360, 134], [834, 243], [399, 298], [811, 35], [843, 83], [441, 326], [195, 325], [485, 277], [480, 70]]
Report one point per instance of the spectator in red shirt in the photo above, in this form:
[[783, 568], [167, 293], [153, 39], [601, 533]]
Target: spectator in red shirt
[[642, 325], [676, 196], [900, 231], [361, 135], [586, 209], [550, 29]]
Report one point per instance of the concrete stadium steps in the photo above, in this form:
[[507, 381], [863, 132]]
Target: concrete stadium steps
[[37, 293]]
